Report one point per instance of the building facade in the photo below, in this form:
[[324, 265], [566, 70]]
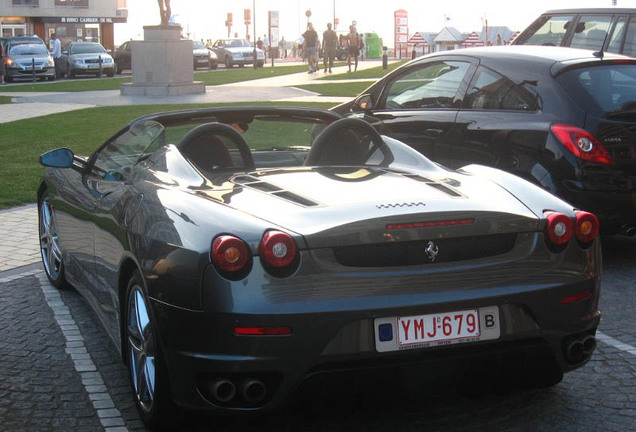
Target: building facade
[[71, 20]]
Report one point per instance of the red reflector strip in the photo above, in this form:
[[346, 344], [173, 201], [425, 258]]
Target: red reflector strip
[[576, 297], [262, 331], [431, 224]]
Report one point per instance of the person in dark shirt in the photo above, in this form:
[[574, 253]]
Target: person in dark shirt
[[329, 46], [311, 44]]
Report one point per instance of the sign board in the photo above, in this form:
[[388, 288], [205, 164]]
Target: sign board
[[401, 33]]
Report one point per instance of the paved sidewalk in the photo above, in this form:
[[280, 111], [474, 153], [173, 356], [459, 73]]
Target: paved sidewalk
[[274, 89], [20, 244]]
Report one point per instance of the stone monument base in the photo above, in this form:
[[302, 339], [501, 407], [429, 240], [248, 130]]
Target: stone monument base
[[162, 65]]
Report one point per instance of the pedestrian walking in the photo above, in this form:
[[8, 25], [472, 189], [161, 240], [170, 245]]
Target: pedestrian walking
[[353, 47], [266, 46], [329, 46], [311, 42], [2, 66], [56, 53]]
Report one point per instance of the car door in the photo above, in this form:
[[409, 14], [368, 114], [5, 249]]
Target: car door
[[111, 174], [419, 105], [499, 124], [124, 56]]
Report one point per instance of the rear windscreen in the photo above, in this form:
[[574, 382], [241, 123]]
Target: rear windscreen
[[602, 89]]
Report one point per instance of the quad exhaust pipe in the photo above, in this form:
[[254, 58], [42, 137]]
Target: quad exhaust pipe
[[223, 390], [579, 349], [251, 390]]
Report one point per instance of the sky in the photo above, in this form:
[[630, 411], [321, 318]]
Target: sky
[[205, 19]]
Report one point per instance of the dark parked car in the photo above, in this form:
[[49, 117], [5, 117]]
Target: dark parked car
[[239, 52], [27, 56], [203, 57], [122, 57], [610, 29], [562, 118], [86, 58], [229, 273]]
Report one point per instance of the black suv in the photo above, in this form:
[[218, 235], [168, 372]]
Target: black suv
[[27, 56], [612, 30], [562, 118]]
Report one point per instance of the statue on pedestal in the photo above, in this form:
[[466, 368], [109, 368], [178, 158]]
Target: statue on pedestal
[[164, 11]]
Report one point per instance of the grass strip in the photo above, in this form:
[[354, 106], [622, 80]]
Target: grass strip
[[22, 141], [216, 77], [376, 72], [350, 89], [5, 99]]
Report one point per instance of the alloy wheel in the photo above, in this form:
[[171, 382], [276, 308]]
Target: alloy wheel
[[49, 245], [141, 349]]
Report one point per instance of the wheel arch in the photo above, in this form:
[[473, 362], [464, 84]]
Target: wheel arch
[[127, 267]]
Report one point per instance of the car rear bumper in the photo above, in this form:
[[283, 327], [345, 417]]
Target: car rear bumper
[[615, 208], [332, 327]]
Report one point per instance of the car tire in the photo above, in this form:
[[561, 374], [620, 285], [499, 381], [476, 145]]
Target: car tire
[[228, 63], [213, 66], [71, 73], [110, 73], [241, 65], [117, 69], [50, 249], [146, 365], [260, 64]]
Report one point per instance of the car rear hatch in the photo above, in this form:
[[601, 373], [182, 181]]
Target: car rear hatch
[[606, 90], [341, 207]]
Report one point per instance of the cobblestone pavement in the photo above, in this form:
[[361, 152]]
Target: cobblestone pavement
[[47, 383]]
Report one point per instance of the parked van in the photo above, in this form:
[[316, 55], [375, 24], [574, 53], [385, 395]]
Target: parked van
[[610, 29]]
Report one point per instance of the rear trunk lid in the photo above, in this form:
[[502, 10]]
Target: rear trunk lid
[[352, 206]]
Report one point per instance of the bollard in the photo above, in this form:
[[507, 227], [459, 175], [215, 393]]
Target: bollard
[[385, 58], [33, 68], [272, 61], [413, 54], [100, 66]]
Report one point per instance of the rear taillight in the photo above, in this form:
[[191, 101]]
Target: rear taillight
[[558, 228], [229, 254], [277, 249], [586, 226], [582, 144]]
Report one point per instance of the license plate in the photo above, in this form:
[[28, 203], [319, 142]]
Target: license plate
[[437, 329]]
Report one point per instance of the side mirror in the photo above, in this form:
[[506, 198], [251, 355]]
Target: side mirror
[[58, 158], [363, 103]]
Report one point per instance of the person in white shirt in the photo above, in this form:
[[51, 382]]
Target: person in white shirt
[[56, 52]]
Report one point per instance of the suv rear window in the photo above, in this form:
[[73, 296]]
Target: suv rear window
[[602, 89], [547, 30]]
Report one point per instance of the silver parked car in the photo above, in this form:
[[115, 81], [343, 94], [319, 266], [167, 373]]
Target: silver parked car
[[86, 58], [240, 52]]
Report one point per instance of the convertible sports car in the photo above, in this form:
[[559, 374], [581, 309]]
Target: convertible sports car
[[232, 254]]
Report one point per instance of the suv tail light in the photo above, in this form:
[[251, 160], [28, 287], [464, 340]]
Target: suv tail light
[[229, 254], [558, 228], [582, 144], [277, 249], [586, 226]]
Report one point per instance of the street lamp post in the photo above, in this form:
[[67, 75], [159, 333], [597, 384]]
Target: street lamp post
[[254, 33]]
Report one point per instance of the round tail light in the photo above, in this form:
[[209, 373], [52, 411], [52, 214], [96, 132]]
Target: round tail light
[[558, 228], [229, 253], [277, 249], [586, 226]]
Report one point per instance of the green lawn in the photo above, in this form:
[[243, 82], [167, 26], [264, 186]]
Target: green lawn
[[216, 77], [5, 99], [376, 72], [337, 89], [21, 142]]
